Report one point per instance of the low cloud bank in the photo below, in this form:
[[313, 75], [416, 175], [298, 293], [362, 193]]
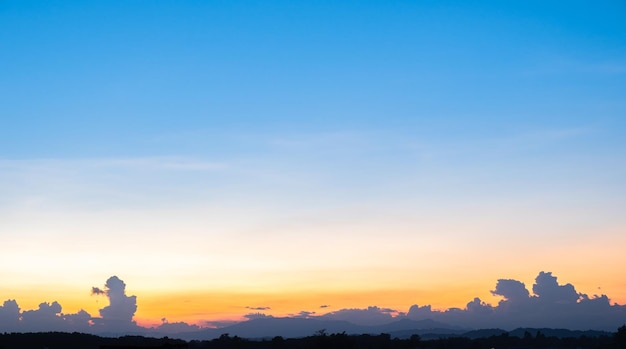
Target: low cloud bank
[[369, 316], [550, 305], [117, 317]]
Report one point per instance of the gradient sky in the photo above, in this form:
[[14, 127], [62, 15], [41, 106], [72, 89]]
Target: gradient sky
[[218, 155]]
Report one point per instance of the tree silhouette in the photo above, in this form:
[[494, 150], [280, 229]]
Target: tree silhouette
[[620, 337]]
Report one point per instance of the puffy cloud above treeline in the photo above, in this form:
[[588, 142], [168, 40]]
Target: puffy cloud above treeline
[[549, 305], [48, 317], [116, 317], [370, 316]]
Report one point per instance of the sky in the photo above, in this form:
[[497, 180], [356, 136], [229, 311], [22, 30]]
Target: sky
[[227, 156]]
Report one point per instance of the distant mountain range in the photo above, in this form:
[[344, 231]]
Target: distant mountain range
[[404, 328]]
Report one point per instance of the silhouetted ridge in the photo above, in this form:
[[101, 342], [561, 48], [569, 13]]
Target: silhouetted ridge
[[493, 338], [557, 332]]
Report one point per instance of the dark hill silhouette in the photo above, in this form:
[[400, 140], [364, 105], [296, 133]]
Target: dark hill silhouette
[[557, 332], [272, 327], [299, 327], [483, 333], [323, 339], [408, 324]]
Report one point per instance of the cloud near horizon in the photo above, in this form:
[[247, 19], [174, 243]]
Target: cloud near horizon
[[370, 316], [549, 305], [258, 308], [114, 318], [118, 315], [552, 305], [254, 316]]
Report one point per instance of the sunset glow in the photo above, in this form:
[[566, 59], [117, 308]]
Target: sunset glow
[[228, 160]]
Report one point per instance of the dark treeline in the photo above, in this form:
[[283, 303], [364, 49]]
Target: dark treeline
[[58, 340], [62, 340]]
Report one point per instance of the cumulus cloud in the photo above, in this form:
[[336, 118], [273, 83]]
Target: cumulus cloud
[[79, 322], [549, 291], [550, 305], [9, 315], [303, 314], [254, 316], [478, 307], [118, 315], [420, 313], [372, 315], [176, 327], [46, 318], [512, 290]]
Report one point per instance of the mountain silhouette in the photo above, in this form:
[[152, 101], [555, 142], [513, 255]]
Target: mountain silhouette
[[299, 327]]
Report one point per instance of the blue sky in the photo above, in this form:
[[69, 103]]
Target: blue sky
[[390, 128], [118, 79]]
